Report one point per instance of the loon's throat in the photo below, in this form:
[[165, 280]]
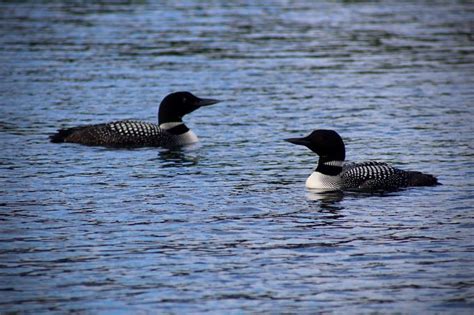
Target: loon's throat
[[329, 167]]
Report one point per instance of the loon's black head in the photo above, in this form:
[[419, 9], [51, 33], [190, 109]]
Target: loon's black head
[[175, 105], [325, 143]]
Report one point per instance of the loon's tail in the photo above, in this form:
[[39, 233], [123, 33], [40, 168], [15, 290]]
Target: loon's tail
[[61, 135], [421, 179]]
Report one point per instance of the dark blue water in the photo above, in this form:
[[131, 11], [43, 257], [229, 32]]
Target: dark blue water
[[226, 226]]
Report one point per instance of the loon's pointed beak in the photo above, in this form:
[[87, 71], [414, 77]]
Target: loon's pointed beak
[[206, 101], [300, 141]]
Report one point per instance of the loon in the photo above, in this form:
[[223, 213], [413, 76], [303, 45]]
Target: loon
[[333, 174], [169, 132]]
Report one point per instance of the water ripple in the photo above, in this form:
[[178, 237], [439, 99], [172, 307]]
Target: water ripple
[[226, 226]]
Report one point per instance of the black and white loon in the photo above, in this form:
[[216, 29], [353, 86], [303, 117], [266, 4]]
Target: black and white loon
[[170, 130], [333, 174]]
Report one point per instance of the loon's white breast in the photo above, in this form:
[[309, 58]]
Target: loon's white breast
[[321, 181], [186, 138], [182, 139]]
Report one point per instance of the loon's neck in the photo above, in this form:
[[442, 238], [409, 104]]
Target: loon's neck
[[181, 133], [329, 167], [175, 128], [326, 176]]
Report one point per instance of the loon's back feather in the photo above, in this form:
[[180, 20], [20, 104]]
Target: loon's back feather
[[62, 134], [421, 179], [123, 133], [373, 175]]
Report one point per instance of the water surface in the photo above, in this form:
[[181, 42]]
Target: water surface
[[226, 226]]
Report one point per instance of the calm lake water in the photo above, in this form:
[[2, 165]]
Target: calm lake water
[[227, 226]]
